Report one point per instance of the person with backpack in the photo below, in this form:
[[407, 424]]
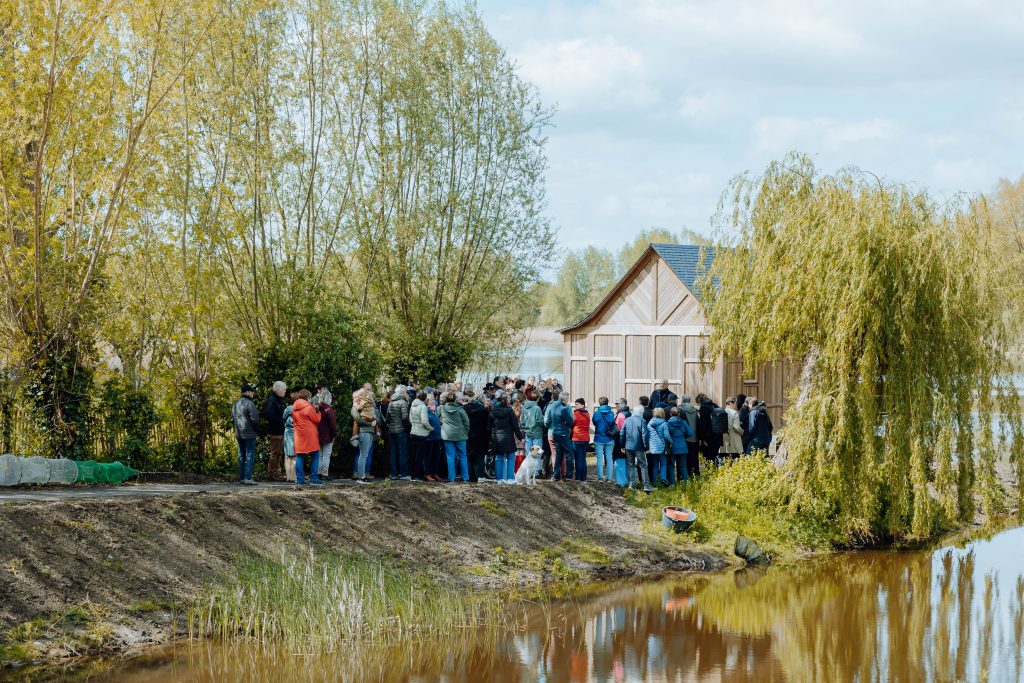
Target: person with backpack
[[688, 412], [532, 423], [760, 428], [675, 458], [659, 441], [606, 433], [712, 424], [398, 433], [246, 419], [580, 438]]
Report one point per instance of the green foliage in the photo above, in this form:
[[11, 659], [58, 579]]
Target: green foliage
[[428, 360], [60, 386], [330, 344], [864, 283], [131, 411], [748, 496]]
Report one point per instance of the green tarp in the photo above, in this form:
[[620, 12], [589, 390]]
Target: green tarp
[[103, 472]]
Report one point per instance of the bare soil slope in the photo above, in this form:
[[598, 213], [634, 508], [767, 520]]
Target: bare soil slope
[[131, 557]]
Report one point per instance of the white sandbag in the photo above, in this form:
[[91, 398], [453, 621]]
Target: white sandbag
[[34, 470], [10, 470], [62, 470]]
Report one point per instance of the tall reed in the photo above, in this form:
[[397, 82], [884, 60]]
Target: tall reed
[[314, 602]]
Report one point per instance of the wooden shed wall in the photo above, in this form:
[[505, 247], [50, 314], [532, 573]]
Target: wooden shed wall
[[652, 328]]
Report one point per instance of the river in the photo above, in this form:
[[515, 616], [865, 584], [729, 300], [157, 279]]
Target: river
[[950, 614]]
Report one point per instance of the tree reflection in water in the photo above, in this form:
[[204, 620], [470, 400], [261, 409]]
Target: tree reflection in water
[[952, 615]]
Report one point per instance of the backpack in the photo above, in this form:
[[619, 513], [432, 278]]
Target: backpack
[[611, 430], [719, 421]]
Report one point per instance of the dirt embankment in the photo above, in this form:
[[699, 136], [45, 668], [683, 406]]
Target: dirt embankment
[[106, 575]]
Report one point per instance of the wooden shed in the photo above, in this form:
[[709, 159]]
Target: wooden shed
[[651, 326]]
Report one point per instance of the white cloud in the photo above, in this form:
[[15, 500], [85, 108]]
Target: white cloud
[[661, 102], [778, 135]]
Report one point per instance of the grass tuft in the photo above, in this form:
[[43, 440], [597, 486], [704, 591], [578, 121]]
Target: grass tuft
[[318, 601]]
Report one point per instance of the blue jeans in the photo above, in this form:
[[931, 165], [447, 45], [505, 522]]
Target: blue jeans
[[505, 466], [563, 454], [621, 477], [539, 443], [654, 467], [399, 446], [314, 466], [677, 467], [451, 450], [365, 453], [604, 459], [246, 458], [579, 449]]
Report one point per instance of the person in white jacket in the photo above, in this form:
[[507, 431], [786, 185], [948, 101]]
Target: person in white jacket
[[732, 444]]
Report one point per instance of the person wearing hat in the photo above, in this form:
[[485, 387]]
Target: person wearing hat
[[246, 419]]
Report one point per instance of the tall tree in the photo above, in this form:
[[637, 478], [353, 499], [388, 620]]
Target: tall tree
[[865, 283]]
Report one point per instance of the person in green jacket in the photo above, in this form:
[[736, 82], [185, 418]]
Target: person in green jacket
[[454, 432], [532, 423]]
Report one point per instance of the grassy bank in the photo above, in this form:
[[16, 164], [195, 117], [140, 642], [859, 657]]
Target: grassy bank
[[749, 496]]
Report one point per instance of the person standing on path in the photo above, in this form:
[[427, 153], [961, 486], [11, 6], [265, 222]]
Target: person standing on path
[[455, 433], [622, 414], [558, 419], [289, 439], [710, 442], [306, 417], [675, 457], [605, 432], [435, 447], [760, 428], [504, 431], [246, 419], [732, 443], [634, 435], [273, 424], [689, 413], [662, 396], [580, 438], [532, 424], [364, 417], [419, 430], [479, 434], [398, 433], [327, 432]]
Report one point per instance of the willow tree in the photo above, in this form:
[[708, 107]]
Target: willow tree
[[882, 292], [450, 229]]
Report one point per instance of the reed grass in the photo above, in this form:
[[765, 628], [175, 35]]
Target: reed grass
[[315, 601]]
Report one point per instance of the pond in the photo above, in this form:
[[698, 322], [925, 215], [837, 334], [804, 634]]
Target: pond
[[951, 614]]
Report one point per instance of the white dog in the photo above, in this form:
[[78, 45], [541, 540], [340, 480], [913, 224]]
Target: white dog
[[527, 472]]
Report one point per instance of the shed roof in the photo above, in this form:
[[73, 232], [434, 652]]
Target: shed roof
[[682, 259]]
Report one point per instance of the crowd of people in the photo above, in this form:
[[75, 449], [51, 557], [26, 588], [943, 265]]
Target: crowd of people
[[452, 433]]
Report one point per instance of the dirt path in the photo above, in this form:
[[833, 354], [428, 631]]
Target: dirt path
[[129, 553]]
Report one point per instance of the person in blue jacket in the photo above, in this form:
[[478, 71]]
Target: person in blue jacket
[[604, 444], [679, 429], [659, 441], [634, 441]]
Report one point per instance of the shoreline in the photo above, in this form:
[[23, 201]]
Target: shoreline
[[115, 577]]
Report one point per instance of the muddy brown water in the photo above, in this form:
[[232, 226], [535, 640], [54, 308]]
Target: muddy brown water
[[951, 614]]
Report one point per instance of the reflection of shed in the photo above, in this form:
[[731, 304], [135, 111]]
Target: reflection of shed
[[651, 326]]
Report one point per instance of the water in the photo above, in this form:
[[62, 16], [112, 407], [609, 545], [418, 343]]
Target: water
[[953, 614]]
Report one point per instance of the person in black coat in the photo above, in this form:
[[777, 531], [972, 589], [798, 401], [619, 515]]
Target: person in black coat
[[741, 401], [479, 435], [273, 423], [662, 396], [760, 428], [709, 442], [504, 432]]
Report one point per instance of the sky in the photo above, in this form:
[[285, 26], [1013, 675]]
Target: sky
[[659, 103]]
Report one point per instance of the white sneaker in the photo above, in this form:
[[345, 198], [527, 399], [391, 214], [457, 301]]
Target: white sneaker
[[407, 478]]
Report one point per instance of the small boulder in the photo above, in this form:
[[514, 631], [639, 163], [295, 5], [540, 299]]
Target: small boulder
[[749, 551]]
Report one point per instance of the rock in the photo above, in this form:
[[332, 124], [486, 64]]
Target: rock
[[749, 551]]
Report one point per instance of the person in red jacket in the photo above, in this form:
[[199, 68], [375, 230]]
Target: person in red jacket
[[306, 417], [326, 432], [580, 438]]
